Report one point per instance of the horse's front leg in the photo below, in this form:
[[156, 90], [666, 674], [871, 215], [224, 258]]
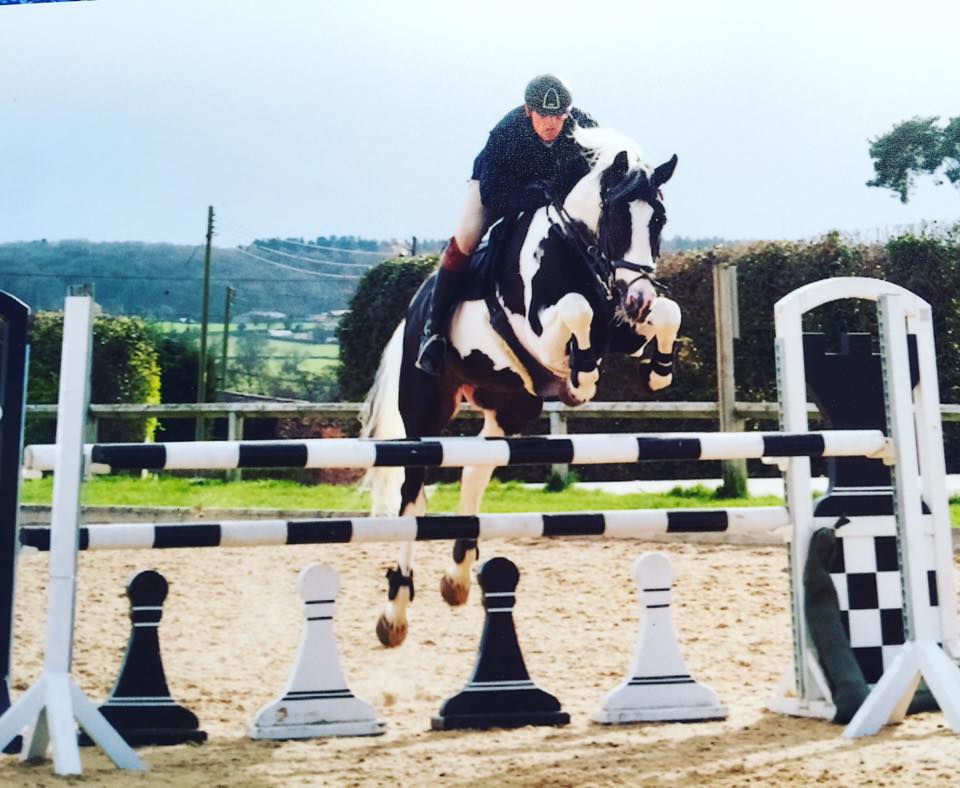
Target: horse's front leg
[[662, 324], [455, 584], [571, 317], [392, 624]]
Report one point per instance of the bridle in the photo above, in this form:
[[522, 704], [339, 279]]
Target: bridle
[[595, 253]]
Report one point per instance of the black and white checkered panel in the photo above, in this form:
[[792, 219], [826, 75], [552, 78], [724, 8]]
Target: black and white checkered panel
[[866, 575]]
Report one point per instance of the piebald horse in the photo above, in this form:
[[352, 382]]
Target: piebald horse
[[574, 280]]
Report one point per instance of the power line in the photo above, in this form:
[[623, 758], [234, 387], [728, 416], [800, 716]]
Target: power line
[[332, 248], [298, 270], [264, 236], [364, 266], [136, 278]]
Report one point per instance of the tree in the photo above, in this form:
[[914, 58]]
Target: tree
[[377, 307], [919, 146]]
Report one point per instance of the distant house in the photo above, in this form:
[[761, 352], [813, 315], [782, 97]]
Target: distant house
[[261, 316]]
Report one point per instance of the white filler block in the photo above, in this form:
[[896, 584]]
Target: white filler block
[[317, 701], [658, 687]]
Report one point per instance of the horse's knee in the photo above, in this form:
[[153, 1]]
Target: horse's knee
[[577, 314], [665, 315]]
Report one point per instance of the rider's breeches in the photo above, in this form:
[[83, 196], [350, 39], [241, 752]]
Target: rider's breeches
[[473, 224]]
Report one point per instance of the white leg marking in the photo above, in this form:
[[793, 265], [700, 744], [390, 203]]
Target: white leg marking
[[663, 324], [473, 483]]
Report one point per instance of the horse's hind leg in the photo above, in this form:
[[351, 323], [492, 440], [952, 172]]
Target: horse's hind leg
[[455, 584], [392, 624]]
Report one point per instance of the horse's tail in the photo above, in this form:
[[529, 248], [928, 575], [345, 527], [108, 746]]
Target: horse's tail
[[380, 418]]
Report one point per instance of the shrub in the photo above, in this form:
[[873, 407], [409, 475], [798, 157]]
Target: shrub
[[376, 309], [125, 368]]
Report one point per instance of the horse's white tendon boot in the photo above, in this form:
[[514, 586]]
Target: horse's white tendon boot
[[571, 316], [658, 687], [455, 583], [663, 325]]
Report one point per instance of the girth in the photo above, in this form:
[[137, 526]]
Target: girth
[[543, 379]]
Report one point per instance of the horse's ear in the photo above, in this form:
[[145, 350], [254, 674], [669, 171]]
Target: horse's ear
[[620, 163], [614, 174], [664, 172]]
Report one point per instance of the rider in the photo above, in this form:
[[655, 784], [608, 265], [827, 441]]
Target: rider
[[526, 155]]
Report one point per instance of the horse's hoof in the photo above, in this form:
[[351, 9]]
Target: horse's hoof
[[390, 635], [453, 594]]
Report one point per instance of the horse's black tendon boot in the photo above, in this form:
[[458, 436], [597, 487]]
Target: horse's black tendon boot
[[433, 345]]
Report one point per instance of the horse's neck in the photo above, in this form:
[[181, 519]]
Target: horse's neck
[[583, 202]]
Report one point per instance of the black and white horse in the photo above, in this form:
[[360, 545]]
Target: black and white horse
[[574, 281]]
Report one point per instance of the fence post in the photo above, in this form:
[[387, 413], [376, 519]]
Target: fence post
[[727, 322], [234, 433], [558, 426]]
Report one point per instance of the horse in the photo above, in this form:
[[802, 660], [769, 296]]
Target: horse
[[573, 281]]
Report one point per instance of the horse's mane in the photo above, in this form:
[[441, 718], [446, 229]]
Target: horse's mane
[[602, 144]]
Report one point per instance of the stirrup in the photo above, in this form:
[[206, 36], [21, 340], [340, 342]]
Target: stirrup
[[433, 349]]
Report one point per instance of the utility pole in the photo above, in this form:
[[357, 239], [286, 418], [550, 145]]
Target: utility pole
[[413, 247], [205, 316], [226, 338]]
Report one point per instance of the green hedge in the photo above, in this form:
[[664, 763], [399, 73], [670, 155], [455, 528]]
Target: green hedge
[[125, 368], [377, 307], [926, 264]]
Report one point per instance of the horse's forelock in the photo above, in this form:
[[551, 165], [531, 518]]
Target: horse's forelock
[[601, 146]]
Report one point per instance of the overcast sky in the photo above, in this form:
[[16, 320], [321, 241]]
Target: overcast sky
[[124, 119]]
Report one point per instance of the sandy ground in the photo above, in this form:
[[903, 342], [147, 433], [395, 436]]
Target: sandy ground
[[232, 622]]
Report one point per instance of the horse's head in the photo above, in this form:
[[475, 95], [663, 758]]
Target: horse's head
[[620, 203]]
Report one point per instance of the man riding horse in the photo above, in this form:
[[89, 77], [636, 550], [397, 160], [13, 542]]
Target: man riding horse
[[571, 279], [527, 151]]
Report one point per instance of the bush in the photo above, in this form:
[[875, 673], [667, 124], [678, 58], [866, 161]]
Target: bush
[[125, 368], [377, 307], [928, 264]]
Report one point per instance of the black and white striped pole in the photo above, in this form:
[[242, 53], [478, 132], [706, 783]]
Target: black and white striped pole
[[770, 523], [588, 449]]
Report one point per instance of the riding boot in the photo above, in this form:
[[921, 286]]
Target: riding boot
[[433, 345]]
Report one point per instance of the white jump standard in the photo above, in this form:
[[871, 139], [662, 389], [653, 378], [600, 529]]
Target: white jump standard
[[923, 547]]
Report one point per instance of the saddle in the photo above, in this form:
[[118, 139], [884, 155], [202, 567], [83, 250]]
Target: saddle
[[482, 271]]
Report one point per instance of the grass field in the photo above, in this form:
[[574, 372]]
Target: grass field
[[201, 493], [316, 356]]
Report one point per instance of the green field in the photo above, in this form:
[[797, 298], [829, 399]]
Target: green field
[[316, 356], [201, 493]]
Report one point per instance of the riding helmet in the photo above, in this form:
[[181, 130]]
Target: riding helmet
[[547, 95]]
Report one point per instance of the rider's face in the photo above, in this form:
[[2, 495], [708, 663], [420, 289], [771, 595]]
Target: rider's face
[[547, 127]]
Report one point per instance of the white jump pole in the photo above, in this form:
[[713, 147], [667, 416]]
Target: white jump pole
[[52, 705]]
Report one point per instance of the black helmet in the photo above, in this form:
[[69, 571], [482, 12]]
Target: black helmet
[[547, 95]]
